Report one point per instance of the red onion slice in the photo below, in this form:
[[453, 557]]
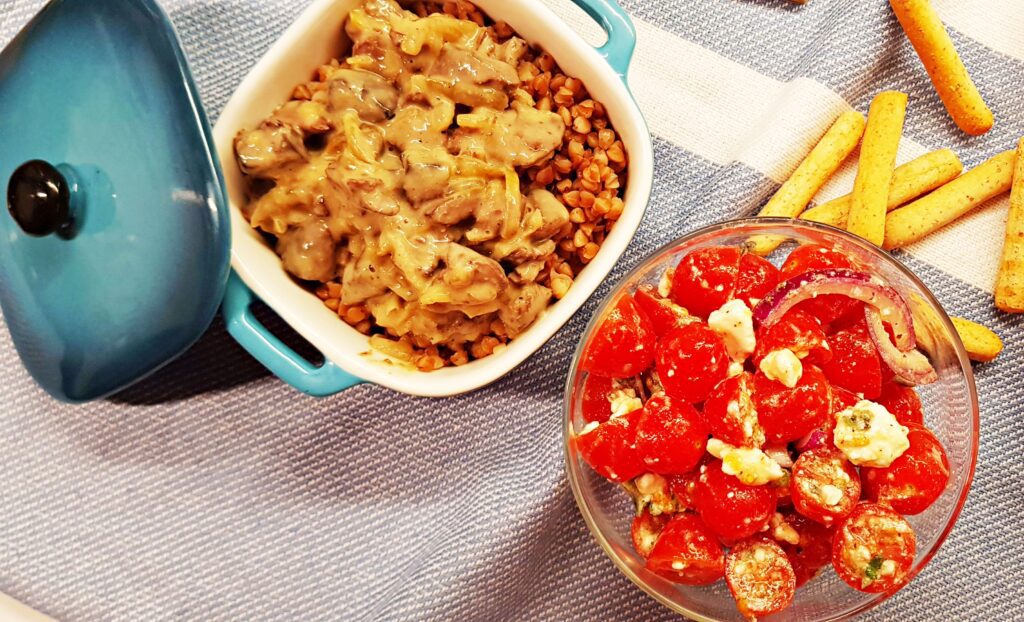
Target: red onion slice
[[815, 439], [911, 367], [857, 285], [780, 455]]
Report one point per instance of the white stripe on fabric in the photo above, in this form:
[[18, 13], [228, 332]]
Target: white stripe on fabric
[[977, 19], [727, 112]]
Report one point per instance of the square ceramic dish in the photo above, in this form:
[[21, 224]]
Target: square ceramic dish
[[315, 38]]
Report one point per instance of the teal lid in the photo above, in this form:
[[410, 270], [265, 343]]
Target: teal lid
[[116, 239]]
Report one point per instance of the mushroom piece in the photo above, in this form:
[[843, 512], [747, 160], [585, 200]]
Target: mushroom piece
[[520, 136], [546, 215], [369, 95], [267, 151], [427, 170], [308, 251], [468, 278], [457, 65], [522, 305]]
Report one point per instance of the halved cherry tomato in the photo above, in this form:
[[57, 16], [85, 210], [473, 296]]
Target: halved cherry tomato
[[646, 530], [671, 436], [830, 307], [691, 360], [810, 257], [855, 364], [813, 552], [623, 344], [595, 405], [873, 549], [841, 400], [903, 402], [730, 508], [610, 448], [756, 277], [682, 487], [687, 552], [912, 483], [760, 577], [730, 414], [705, 279], [788, 414], [797, 331], [826, 486], [662, 312], [783, 489]]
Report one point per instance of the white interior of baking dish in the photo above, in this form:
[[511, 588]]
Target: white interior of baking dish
[[315, 38]]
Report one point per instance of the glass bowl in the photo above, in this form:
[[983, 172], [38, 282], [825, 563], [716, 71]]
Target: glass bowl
[[950, 406]]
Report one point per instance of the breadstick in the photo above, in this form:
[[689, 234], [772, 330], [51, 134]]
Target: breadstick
[[944, 66], [817, 168], [1010, 285], [936, 210], [877, 161], [982, 344], [909, 181]]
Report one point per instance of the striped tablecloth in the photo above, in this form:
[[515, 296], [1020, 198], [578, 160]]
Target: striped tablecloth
[[214, 492]]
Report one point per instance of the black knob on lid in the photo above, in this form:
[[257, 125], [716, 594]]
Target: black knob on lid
[[39, 199]]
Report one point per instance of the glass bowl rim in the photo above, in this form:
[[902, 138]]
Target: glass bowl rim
[[754, 224]]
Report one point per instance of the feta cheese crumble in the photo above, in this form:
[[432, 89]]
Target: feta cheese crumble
[[653, 493], [665, 283], [869, 435], [783, 531], [624, 401], [750, 465], [734, 322], [782, 366]]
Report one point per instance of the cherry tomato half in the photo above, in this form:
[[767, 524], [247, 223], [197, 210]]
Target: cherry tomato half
[[760, 577], [687, 552], [788, 414], [841, 400], [912, 483], [730, 414], [683, 487], [797, 331], [810, 257], [705, 279], [873, 549], [903, 402], [671, 436], [783, 489], [814, 550], [691, 360], [610, 448], [756, 277], [826, 486], [646, 530], [623, 344], [830, 307], [855, 364], [595, 405], [729, 507], [662, 312]]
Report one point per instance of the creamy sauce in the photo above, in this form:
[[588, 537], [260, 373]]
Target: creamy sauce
[[398, 171]]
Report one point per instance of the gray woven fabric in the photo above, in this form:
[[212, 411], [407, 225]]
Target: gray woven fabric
[[214, 492]]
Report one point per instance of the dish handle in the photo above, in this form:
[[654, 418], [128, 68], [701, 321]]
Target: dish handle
[[618, 50], [282, 361]]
